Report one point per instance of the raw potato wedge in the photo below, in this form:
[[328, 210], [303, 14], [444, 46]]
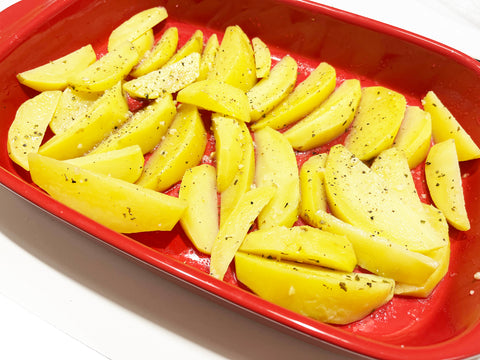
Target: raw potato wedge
[[268, 92], [233, 231], [325, 295], [304, 244], [155, 58], [228, 148], [55, 74], [445, 126], [444, 181], [208, 56], [168, 79], [362, 198], [218, 97], [114, 203], [193, 45], [263, 59], [125, 164], [182, 148], [107, 113], [28, 128], [136, 26], [107, 71], [376, 123], [312, 186], [71, 106], [415, 135], [309, 94], [144, 128], [328, 121], [200, 219], [144, 43], [276, 165], [235, 61]]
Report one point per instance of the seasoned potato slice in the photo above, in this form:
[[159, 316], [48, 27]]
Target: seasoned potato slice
[[144, 128], [218, 97], [144, 43], [208, 56], [415, 135], [55, 74], [276, 165], [268, 92], [445, 126], [263, 59], [328, 121], [182, 148], [312, 186], [444, 181], [325, 295], [305, 97], [168, 79], [125, 164], [193, 45], [376, 123], [233, 231], [28, 128], [200, 219], [303, 244], [117, 204]]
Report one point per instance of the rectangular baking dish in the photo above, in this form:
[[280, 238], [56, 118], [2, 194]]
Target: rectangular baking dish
[[445, 325]]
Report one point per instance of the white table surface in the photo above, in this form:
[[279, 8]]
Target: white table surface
[[65, 296]]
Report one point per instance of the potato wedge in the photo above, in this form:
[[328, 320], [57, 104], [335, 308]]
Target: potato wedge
[[304, 244], [268, 92], [144, 43], [444, 181], [200, 219], [107, 113], [309, 94], [329, 120], [325, 295], [312, 186], [233, 231], [217, 97], [158, 56], [125, 164], [445, 126], [182, 148], [107, 71], [144, 128], [55, 74], [168, 79], [28, 128], [276, 165], [263, 59], [376, 123], [208, 56], [193, 45], [114, 203], [415, 135]]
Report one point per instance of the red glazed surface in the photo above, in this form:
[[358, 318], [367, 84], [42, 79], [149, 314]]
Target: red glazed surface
[[446, 325]]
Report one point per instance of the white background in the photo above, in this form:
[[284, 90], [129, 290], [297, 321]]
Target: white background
[[64, 295]]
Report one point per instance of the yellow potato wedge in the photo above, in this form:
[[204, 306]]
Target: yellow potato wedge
[[228, 148], [379, 116], [329, 120], [233, 231], [263, 59], [304, 244], [144, 43], [200, 219], [55, 74], [218, 97], [325, 295], [445, 126], [276, 166], [312, 186], [145, 128], [125, 164], [107, 71], [193, 45], [309, 94], [444, 181], [168, 79], [158, 56], [26, 133], [114, 203], [107, 113], [208, 56], [182, 148], [268, 92]]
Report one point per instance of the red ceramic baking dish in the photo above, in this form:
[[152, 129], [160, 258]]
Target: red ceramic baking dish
[[444, 326]]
